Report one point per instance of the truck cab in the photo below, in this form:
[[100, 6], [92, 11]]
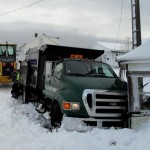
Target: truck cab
[[88, 90]]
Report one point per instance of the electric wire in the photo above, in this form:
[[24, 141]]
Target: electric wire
[[120, 20], [26, 6]]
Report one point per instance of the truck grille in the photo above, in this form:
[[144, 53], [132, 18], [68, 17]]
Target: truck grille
[[105, 105], [111, 103]]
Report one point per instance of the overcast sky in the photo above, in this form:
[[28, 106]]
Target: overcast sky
[[75, 22]]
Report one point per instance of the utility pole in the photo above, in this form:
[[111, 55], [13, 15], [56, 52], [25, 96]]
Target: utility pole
[[136, 29], [136, 25]]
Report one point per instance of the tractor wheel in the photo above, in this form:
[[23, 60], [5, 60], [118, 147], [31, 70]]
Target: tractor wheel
[[56, 115]]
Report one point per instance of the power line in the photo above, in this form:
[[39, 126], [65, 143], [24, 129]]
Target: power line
[[120, 20], [26, 6]]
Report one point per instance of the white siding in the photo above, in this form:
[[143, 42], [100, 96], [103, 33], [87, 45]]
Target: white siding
[[36, 42], [109, 56]]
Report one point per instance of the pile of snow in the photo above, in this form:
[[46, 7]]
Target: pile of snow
[[21, 128]]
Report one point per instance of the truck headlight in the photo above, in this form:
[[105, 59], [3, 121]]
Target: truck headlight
[[71, 105], [75, 106]]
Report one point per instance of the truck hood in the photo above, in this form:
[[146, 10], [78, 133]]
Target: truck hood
[[72, 87], [82, 83]]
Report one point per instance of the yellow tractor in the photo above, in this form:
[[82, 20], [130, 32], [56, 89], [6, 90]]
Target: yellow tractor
[[7, 62]]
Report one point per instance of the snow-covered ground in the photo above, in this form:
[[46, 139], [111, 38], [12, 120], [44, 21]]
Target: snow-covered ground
[[21, 128]]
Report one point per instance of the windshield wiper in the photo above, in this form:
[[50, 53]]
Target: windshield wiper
[[97, 75], [76, 74]]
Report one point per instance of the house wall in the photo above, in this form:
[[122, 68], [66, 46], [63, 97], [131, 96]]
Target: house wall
[[107, 57], [110, 55], [38, 41], [114, 56]]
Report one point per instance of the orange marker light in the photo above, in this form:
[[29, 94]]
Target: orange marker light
[[66, 105], [76, 56]]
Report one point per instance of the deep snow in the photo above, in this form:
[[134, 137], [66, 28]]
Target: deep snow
[[21, 128]]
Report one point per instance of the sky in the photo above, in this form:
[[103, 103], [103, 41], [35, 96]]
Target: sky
[[74, 22]]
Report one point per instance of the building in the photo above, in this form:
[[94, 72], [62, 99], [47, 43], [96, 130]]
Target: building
[[137, 65], [36, 42], [112, 51]]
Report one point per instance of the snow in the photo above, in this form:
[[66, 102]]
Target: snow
[[21, 128], [99, 46], [141, 53], [111, 46]]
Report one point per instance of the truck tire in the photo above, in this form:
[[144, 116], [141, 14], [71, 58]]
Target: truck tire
[[24, 95], [56, 115]]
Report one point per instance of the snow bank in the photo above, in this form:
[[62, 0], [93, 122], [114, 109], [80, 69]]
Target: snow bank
[[21, 129]]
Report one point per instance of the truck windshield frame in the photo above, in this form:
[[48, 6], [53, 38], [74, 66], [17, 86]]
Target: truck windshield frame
[[89, 68]]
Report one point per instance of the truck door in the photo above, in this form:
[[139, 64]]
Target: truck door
[[52, 85]]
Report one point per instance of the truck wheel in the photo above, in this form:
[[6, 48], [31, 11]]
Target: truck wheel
[[24, 95], [56, 115]]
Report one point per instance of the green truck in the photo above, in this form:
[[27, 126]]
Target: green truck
[[69, 82]]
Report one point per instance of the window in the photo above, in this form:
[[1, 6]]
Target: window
[[58, 70], [88, 68], [7, 50], [3, 50], [140, 93], [144, 93], [10, 50], [76, 67], [108, 72]]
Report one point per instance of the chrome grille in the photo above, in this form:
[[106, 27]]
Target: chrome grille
[[102, 103]]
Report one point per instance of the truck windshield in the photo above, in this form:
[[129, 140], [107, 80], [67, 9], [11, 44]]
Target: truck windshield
[[7, 50], [89, 68]]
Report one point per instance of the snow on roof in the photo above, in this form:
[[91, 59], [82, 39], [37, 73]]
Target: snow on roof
[[141, 53], [117, 47], [112, 46], [99, 46], [53, 39]]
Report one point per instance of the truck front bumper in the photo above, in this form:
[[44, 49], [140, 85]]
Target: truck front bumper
[[85, 124]]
